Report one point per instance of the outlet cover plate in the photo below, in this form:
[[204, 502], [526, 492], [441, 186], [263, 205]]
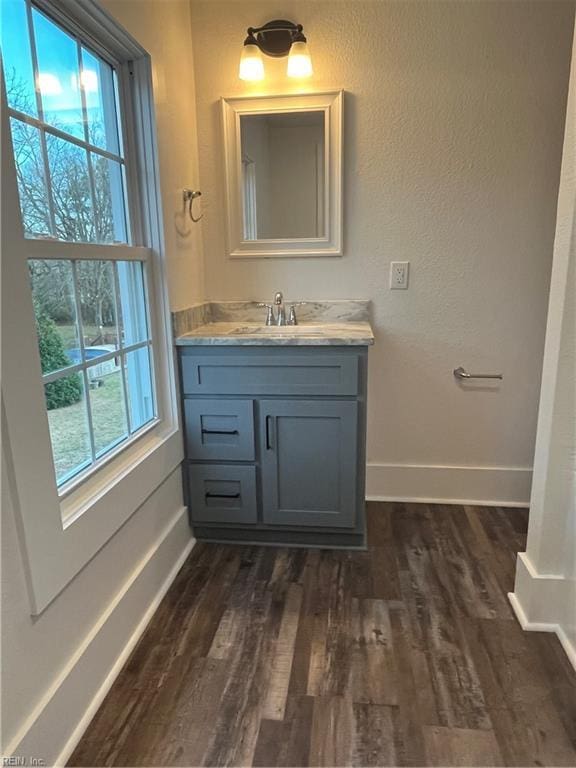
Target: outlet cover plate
[[399, 275]]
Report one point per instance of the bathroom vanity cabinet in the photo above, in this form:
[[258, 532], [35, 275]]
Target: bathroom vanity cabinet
[[275, 442]]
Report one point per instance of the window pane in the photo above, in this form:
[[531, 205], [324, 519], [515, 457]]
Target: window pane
[[108, 405], [97, 307], [78, 92], [133, 316], [55, 310], [99, 91], [140, 392], [109, 191], [58, 76], [68, 421], [31, 182], [71, 196], [16, 57]]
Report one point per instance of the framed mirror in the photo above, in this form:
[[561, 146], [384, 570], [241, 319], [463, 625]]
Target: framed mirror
[[283, 163]]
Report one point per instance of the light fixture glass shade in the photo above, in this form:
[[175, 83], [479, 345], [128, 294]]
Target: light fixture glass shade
[[251, 63], [299, 61]]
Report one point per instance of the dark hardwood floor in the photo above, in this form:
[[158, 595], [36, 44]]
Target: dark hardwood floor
[[406, 654]]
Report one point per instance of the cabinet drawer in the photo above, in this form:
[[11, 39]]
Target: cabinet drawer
[[220, 493], [219, 429], [288, 374]]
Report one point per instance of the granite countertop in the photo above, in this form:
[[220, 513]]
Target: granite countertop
[[297, 335], [336, 323]]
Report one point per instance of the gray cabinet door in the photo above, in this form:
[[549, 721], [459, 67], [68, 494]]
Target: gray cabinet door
[[309, 462]]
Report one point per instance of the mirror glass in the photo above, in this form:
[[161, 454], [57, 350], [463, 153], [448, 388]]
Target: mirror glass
[[283, 175]]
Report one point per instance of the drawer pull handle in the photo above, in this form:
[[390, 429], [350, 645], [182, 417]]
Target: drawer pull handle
[[221, 495], [220, 432]]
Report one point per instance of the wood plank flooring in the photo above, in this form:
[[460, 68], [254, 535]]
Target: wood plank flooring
[[406, 654]]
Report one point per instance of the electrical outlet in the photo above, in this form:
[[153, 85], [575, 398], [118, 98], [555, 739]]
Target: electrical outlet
[[399, 275]]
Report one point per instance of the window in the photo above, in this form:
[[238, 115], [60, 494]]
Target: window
[[88, 280], [83, 274]]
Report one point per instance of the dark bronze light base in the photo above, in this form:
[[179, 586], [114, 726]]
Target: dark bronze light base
[[276, 37]]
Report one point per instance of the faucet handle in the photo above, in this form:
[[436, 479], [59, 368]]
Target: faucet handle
[[270, 319], [292, 319]]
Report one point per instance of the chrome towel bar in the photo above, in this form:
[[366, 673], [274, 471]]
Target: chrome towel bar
[[462, 374]]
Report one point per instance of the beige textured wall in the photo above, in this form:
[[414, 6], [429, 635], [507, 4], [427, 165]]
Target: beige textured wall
[[454, 119], [162, 27]]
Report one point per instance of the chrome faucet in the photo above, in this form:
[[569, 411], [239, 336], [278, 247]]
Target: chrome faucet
[[280, 317], [280, 309]]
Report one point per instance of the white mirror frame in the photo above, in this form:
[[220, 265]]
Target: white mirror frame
[[329, 102]]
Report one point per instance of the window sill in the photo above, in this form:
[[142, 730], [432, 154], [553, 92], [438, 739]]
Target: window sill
[[93, 514], [93, 474], [93, 491]]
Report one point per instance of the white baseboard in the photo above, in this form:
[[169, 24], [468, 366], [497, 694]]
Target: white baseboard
[[91, 671], [545, 603], [482, 486]]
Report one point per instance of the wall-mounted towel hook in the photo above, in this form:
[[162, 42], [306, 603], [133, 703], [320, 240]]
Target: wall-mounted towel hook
[[188, 197]]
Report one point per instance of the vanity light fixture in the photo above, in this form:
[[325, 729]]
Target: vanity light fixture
[[276, 38]]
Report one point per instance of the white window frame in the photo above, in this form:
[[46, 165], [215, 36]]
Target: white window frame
[[60, 533]]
